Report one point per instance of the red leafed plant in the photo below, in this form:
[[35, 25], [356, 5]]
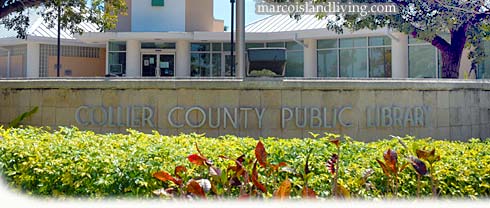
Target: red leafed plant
[[177, 180], [307, 192], [333, 166], [391, 169], [247, 175], [236, 176], [420, 168], [284, 189], [193, 187], [419, 165], [431, 158]]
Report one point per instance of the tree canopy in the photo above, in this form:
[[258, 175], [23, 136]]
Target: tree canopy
[[14, 14], [449, 25]]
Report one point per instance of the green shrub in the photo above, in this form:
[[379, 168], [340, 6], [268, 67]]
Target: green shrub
[[73, 163], [263, 73]]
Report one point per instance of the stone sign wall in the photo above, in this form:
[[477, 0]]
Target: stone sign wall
[[363, 109]]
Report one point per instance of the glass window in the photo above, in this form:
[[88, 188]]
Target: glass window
[[275, 45], [379, 41], [200, 47], [227, 46], [229, 65], [117, 46], [294, 64], [200, 65], [157, 45], [416, 41], [204, 61], [353, 63], [412, 40], [327, 63], [422, 61], [117, 58], [216, 46], [325, 44], [484, 66], [380, 62], [353, 42], [117, 63], [295, 60], [216, 68], [293, 46], [254, 45], [353, 57]]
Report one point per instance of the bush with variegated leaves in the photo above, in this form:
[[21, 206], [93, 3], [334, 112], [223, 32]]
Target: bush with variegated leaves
[[73, 163]]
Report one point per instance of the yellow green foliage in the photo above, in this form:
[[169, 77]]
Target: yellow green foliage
[[73, 163]]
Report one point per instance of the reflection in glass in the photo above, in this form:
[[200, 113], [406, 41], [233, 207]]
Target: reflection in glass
[[380, 62], [353, 42], [294, 64], [200, 64], [216, 66], [326, 44], [157, 45], [200, 47], [379, 41], [293, 46], [117, 46], [327, 63], [422, 61], [353, 63], [117, 63], [228, 66], [275, 45], [254, 45], [484, 66]]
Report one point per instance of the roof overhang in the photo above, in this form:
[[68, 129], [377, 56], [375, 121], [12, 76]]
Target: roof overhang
[[101, 38], [10, 41]]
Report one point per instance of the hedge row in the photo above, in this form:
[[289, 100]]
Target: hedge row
[[73, 163]]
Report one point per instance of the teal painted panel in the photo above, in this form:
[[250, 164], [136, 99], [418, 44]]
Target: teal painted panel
[[157, 2]]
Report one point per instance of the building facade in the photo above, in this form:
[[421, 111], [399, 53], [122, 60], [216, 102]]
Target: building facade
[[181, 38]]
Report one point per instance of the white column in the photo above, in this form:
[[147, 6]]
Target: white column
[[33, 52], [399, 51], [133, 58], [240, 38], [183, 59], [310, 58]]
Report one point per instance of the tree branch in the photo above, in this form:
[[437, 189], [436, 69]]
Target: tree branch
[[458, 36], [18, 5], [437, 41], [440, 43]]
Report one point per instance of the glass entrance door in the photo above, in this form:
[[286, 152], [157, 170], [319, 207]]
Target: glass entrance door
[[149, 66], [166, 65], [158, 65]]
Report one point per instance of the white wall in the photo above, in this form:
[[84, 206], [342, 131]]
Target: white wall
[[310, 58], [133, 61], [399, 57], [33, 50], [169, 18], [183, 59]]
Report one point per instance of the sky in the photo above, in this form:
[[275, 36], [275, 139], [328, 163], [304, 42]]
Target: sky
[[222, 11]]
